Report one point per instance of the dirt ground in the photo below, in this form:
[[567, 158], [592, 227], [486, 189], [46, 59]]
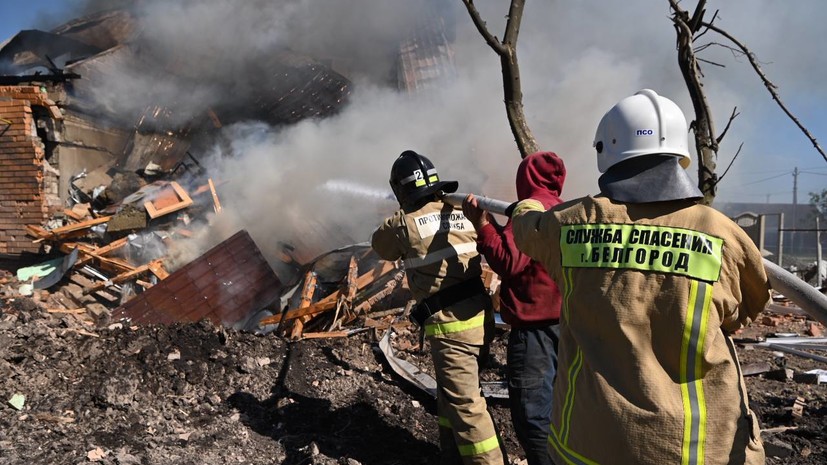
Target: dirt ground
[[200, 394]]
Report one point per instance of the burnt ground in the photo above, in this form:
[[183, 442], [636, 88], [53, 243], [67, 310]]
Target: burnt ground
[[200, 394]]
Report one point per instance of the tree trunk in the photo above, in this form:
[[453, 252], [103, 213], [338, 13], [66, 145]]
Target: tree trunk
[[513, 98]]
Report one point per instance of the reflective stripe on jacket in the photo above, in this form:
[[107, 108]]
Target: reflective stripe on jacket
[[647, 372], [438, 246]]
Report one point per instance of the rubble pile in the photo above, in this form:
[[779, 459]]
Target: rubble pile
[[197, 393]]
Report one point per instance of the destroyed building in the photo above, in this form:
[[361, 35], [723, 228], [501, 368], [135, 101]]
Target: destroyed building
[[116, 182]]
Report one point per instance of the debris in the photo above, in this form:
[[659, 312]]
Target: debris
[[226, 285], [17, 401], [822, 375], [782, 374], [774, 447], [72, 311], [756, 369], [216, 203], [169, 198], [798, 407], [49, 273], [129, 218], [65, 232], [334, 334], [798, 346], [806, 378], [405, 369], [96, 455], [119, 278]]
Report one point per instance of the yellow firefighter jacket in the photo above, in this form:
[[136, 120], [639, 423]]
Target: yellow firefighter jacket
[[647, 372], [438, 246]]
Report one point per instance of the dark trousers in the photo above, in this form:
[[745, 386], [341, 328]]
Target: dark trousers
[[532, 366]]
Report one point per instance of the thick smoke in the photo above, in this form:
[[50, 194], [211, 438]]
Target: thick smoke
[[320, 182]]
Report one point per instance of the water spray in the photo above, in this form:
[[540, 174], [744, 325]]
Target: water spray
[[343, 186], [805, 296]]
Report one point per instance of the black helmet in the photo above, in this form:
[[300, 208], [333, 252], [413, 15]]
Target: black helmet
[[414, 178]]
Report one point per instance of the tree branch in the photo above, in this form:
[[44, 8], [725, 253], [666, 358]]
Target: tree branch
[[515, 17], [512, 87], [728, 123], [703, 127], [769, 85], [490, 39], [721, 178]]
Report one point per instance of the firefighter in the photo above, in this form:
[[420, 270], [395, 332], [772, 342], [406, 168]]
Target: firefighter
[[443, 269], [529, 303], [654, 283]]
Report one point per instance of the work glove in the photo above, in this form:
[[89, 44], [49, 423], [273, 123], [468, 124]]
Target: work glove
[[419, 313], [510, 209]]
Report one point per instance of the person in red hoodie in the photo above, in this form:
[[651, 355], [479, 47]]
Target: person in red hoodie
[[529, 302]]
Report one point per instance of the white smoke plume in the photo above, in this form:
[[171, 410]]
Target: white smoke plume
[[577, 59]]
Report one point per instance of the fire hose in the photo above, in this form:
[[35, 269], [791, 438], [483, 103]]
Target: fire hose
[[805, 296]]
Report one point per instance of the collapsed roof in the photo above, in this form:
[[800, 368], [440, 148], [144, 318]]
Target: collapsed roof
[[106, 144]]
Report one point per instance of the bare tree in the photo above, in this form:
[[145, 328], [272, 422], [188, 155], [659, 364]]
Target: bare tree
[[689, 29], [507, 51]]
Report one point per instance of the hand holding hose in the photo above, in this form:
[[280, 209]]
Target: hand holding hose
[[476, 215]]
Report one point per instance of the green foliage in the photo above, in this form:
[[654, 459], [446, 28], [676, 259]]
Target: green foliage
[[819, 201]]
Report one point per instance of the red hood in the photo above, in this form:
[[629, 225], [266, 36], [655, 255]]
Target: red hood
[[540, 177]]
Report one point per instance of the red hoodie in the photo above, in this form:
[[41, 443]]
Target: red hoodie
[[528, 296]]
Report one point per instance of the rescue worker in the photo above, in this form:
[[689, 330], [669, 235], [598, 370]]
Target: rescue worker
[[443, 269], [529, 303], [653, 284]]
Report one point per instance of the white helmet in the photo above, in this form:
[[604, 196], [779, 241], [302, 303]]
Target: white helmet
[[643, 124]]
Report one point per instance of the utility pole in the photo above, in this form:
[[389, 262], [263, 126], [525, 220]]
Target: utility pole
[[795, 207], [795, 188]]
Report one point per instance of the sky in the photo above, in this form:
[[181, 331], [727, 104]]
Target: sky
[[576, 61]]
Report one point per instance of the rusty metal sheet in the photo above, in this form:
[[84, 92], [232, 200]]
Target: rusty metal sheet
[[226, 285]]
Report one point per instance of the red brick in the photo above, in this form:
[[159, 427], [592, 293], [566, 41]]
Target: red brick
[[17, 153]]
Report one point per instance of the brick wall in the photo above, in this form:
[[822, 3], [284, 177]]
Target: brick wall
[[23, 169]]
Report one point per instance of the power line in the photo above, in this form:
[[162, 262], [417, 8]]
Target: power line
[[767, 179]]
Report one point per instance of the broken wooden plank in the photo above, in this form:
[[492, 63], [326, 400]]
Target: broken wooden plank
[[214, 117], [157, 268], [172, 198], [306, 299], [351, 284], [370, 299], [111, 247], [118, 279], [216, 203], [778, 429], [71, 214], [334, 334], [80, 331], [90, 254], [72, 311], [329, 302], [344, 304], [63, 231]]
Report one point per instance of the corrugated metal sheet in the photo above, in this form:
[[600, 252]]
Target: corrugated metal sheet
[[225, 285]]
